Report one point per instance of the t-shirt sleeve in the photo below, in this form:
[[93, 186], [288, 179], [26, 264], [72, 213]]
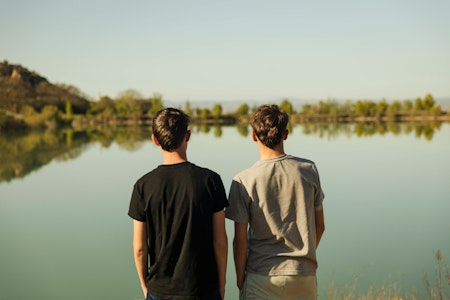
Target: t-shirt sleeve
[[318, 194], [238, 198], [136, 209], [219, 195]]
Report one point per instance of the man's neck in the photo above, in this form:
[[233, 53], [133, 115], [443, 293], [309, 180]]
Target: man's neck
[[175, 157], [268, 153]]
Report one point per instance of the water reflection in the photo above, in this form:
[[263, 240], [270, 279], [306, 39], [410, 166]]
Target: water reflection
[[332, 130], [25, 152]]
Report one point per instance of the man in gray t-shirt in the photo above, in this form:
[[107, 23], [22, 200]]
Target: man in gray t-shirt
[[276, 205]]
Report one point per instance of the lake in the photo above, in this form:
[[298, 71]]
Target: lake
[[64, 197]]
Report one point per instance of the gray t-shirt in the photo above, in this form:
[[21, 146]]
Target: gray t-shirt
[[277, 198]]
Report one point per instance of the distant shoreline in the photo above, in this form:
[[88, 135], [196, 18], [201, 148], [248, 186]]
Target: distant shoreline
[[445, 117], [294, 119]]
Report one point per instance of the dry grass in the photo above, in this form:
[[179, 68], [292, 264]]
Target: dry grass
[[437, 288]]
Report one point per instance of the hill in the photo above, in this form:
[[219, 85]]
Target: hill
[[20, 86]]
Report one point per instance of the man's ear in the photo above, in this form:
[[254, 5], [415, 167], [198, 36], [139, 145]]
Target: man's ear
[[155, 140], [286, 133], [188, 135], [254, 137]]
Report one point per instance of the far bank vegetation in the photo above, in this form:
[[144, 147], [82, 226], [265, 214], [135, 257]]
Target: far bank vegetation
[[28, 100]]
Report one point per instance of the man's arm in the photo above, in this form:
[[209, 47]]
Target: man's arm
[[320, 223], [220, 241], [240, 245], [140, 251]]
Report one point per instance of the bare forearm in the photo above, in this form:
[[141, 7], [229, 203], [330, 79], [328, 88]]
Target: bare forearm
[[141, 262], [319, 234], [220, 242], [320, 224], [240, 247], [221, 253], [140, 252], [240, 260]]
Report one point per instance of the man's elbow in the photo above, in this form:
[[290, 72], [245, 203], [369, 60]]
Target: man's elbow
[[221, 242], [139, 251]]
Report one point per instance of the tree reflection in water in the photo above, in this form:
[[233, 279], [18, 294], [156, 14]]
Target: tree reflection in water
[[424, 130], [27, 151]]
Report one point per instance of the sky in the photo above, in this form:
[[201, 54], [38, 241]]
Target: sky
[[234, 50]]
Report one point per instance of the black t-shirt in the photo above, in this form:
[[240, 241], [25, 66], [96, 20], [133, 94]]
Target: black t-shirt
[[177, 203]]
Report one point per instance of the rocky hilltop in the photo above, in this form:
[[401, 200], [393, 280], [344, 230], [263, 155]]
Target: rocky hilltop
[[20, 86]]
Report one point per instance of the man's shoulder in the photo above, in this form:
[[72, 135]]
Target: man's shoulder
[[306, 167], [146, 176], [204, 170], [199, 173], [304, 162], [249, 172]]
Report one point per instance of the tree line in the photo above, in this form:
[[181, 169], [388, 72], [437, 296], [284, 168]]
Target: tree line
[[371, 110], [132, 108]]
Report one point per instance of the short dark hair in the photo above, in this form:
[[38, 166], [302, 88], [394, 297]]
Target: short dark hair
[[269, 123], [170, 126]]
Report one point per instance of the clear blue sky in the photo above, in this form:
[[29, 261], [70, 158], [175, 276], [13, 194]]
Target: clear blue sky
[[234, 50]]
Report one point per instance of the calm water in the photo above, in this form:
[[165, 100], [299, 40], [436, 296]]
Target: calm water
[[65, 233]]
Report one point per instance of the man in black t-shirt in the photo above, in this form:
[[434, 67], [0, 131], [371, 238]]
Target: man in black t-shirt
[[179, 240]]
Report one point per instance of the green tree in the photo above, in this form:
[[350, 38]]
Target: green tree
[[187, 108], [287, 106], [129, 104], [121, 108], [428, 102], [360, 108], [216, 111], [436, 110], [365, 108], [156, 104], [69, 110], [381, 107], [27, 110], [371, 108], [407, 106], [49, 113], [104, 108], [418, 105], [205, 113], [50, 116], [30, 116], [306, 109], [324, 107], [346, 108], [242, 110], [394, 108]]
